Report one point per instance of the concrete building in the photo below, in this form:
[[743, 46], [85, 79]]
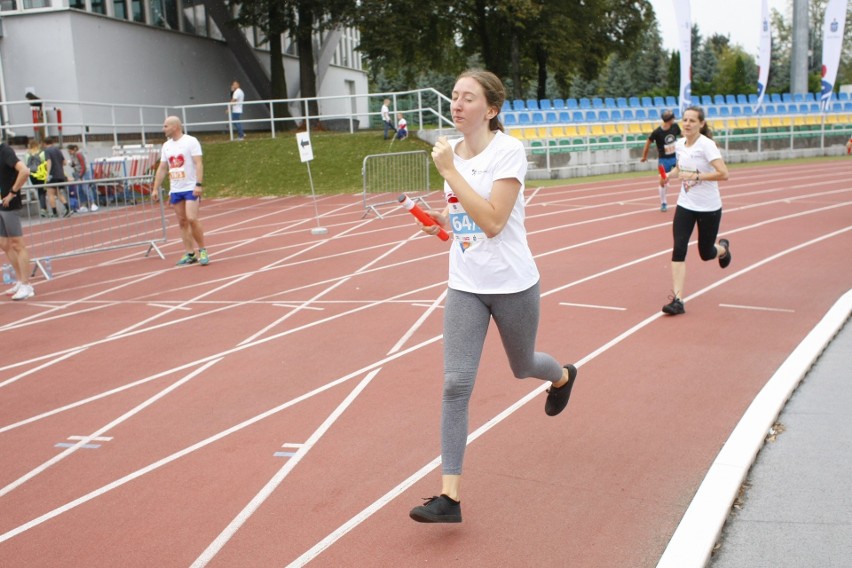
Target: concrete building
[[152, 53]]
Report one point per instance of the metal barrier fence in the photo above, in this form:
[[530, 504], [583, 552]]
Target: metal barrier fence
[[125, 216], [397, 173]]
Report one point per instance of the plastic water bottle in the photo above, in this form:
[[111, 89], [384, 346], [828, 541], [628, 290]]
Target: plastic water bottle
[[8, 274]]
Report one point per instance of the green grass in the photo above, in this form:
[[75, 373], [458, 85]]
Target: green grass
[[262, 166]]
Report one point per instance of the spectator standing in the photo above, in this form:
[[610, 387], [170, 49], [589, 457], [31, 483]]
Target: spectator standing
[[13, 175], [665, 136], [37, 165], [386, 117], [80, 172], [236, 105], [55, 174], [180, 158]]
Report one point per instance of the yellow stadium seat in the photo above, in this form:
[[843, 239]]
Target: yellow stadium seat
[[529, 133], [597, 130]]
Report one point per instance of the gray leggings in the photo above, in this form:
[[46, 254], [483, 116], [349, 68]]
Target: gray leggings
[[466, 318]]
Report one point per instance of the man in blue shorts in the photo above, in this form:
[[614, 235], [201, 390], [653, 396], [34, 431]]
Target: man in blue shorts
[[13, 175], [181, 159], [665, 136]]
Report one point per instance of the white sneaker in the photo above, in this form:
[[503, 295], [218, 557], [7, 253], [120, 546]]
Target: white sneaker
[[83, 209], [14, 289], [94, 207], [24, 292]]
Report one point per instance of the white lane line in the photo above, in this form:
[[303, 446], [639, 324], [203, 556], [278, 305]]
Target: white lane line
[[169, 307], [126, 416], [423, 317], [334, 536], [757, 308], [252, 506], [207, 441], [594, 306], [50, 363]]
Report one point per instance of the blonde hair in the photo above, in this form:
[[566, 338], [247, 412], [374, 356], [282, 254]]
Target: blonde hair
[[495, 92]]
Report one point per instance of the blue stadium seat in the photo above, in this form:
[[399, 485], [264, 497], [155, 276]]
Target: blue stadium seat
[[781, 108], [591, 115], [713, 111], [847, 106], [585, 103], [843, 96], [736, 110], [798, 97], [836, 106], [748, 110], [507, 106], [813, 107], [775, 98], [524, 118], [551, 117], [786, 97], [647, 102], [532, 104], [769, 108], [621, 102], [676, 111], [509, 119], [810, 97], [671, 101], [659, 102], [752, 99], [706, 100], [730, 100], [718, 99], [598, 102], [558, 104], [544, 104], [724, 112], [577, 116], [609, 102], [627, 114], [538, 118], [792, 108], [634, 102], [603, 115], [742, 100], [518, 104], [564, 117], [641, 114], [571, 104], [615, 115]]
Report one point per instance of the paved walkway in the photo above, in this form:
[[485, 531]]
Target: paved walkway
[[798, 510]]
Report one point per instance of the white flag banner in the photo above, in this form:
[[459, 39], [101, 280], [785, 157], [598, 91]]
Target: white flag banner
[[832, 44], [765, 54], [683, 18]]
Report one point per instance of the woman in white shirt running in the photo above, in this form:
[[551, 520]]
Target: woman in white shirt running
[[492, 272], [699, 168]]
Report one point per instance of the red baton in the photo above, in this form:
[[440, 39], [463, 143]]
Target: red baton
[[421, 215]]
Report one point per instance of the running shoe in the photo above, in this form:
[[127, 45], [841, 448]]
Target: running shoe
[[557, 397], [437, 510], [664, 207], [187, 258], [725, 259], [675, 307], [14, 289], [25, 291], [203, 259]]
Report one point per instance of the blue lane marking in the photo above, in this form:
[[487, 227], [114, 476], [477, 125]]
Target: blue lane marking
[[284, 454], [69, 445]]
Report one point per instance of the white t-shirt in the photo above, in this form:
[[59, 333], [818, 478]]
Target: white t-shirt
[[703, 195], [178, 155], [385, 113], [238, 96], [502, 264], [402, 124]]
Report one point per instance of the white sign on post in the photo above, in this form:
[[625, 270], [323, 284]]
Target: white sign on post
[[306, 151]]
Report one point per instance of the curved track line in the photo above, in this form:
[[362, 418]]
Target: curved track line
[[695, 536]]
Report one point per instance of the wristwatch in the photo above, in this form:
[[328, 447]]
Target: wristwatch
[[199, 184]]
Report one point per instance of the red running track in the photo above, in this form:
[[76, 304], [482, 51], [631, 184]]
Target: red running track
[[281, 405]]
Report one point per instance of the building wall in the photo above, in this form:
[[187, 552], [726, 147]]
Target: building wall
[[68, 56]]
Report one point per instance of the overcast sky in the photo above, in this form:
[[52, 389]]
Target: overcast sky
[[739, 19]]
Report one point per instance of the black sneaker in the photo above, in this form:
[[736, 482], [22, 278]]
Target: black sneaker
[[437, 510], [557, 398], [674, 308], [725, 259]]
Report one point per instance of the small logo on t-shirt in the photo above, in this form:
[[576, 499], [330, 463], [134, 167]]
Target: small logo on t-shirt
[[475, 172]]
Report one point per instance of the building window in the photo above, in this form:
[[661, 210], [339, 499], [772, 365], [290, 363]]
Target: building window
[[137, 10], [99, 6], [164, 14], [194, 17], [119, 9], [36, 4]]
